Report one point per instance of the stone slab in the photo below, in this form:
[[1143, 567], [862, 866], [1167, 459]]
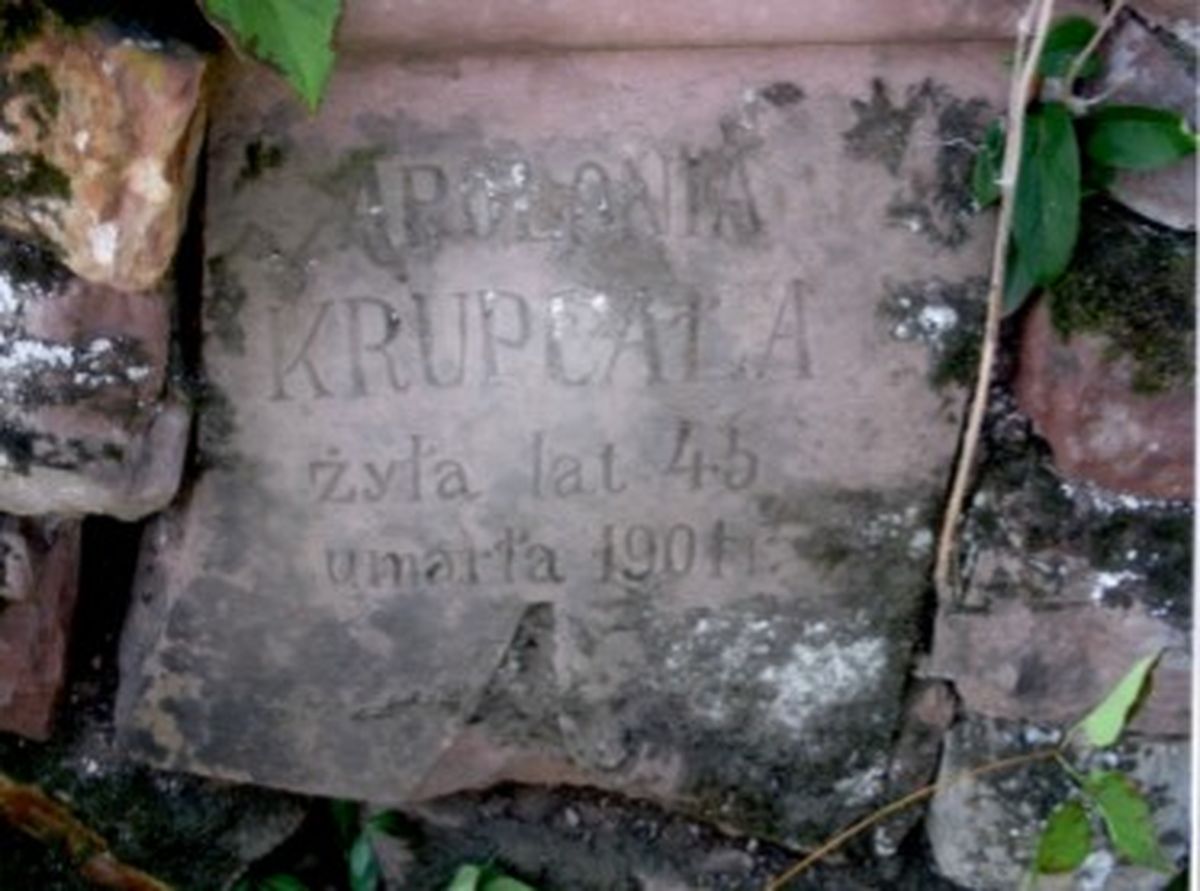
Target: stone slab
[[560, 428], [474, 24], [35, 631], [90, 421]]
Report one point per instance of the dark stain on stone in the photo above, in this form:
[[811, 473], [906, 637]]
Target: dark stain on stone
[[883, 128], [20, 20], [1132, 282], [259, 156], [941, 208], [223, 305], [31, 269], [24, 449], [216, 428], [520, 702], [29, 176], [782, 93]]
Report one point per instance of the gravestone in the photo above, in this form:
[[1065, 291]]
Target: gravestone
[[571, 418]]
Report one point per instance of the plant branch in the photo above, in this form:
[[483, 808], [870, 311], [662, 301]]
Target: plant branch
[[1092, 45], [1031, 37], [777, 883], [30, 810]]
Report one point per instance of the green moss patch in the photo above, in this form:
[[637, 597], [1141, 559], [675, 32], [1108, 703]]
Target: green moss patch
[[1132, 282]]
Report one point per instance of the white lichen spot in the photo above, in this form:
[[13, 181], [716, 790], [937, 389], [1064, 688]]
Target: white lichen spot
[[1110, 581], [103, 240], [862, 787], [83, 139], [936, 320], [8, 295], [136, 373], [822, 676], [921, 544], [146, 179], [1094, 873]]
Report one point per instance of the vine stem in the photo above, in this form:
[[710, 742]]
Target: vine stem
[[1092, 45], [1031, 37], [794, 872]]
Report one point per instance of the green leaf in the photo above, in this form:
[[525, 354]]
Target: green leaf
[[467, 878], [1096, 178], [387, 822], [1066, 840], [345, 821], [1064, 42], [1104, 724], [1019, 280], [1127, 816], [1132, 137], [1046, 213], [504, 883], [282, 882], [292, 35], [989, 160], [364, 868]]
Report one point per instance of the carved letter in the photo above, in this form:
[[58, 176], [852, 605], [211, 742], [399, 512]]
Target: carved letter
[[518, 336], [281, 368], [389, 327], [795, 330]]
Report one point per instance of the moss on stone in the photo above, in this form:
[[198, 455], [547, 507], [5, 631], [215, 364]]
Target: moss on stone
[[20, 20], [1132, 282]]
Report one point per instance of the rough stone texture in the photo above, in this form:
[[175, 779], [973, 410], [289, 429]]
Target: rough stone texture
[[89, 422], [1143, 69], [1084, 402], [623, 23], [194, 834], [1048, 665], [98, 141], [556, 431], [984, 831], [17, 578], [34, 631]]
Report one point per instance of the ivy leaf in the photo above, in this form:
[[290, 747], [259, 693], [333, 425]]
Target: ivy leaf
[[1064, 42], [504, 883], [387, 822], [364, 868], [282, 882], [1132, 137], [1127, 816], [1046, 213], [1104, 724], [988, 163], [1019, 280], [345, 821], [467, 878], [1066, 840], [294, 36]]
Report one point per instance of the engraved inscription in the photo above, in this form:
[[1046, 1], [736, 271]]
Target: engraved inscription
[[359, 347]]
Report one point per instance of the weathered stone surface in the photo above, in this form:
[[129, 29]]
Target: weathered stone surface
[[1049, 666], [98, 141], [34, 631], [1101, 429], [88, 419], [1142, 69], [557, 432], [623, 23], [984, 831]]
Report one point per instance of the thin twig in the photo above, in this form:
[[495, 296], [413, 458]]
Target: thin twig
[[1029, 52], [777, 883], [33, 812], [1092, 45]]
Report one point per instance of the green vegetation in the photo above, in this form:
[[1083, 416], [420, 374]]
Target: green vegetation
[[293, 36], [1070, 150]]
